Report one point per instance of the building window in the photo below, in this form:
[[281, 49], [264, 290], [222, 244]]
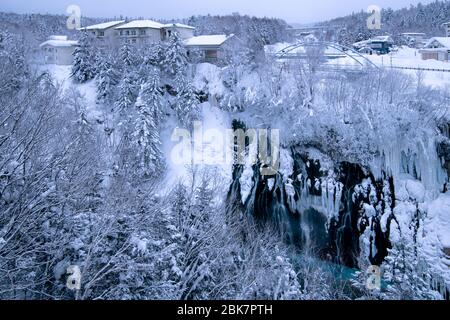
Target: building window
[[127, 33], [133, 32], [133, 41], [211, 54], [142, 32], [101, 33]]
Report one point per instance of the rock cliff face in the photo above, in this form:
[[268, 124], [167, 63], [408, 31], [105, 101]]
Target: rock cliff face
[[337, 211]]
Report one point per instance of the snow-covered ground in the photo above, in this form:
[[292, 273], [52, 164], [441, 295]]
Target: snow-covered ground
[[61, 76], [209, 154], [409, 58], [436, 237], [435, 240]]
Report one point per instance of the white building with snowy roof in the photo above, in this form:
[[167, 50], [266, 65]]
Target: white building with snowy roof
[[209, 48], [183, 30], [104, 32], [57, 50], [437, 48], [143, 32], [379, 44]]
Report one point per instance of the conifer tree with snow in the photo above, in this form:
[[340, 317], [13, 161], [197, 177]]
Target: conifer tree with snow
[[126, 55], [146, 133], [154, 55], [175, 56], [406, 274], [197, 265], [127, 92], [107, 79], [186, 103], [83, 67], [12, 52]]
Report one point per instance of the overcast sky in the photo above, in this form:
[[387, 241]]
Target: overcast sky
[[300, 11]]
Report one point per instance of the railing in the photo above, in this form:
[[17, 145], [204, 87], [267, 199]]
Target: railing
[[418, 69]]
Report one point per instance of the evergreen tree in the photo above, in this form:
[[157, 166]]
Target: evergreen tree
[[175, 56], [146, 134], [406, 274], [186, 102], [197, 265], [126, 55], [155, 55], [128, 89], [107, 80], [83, 68]]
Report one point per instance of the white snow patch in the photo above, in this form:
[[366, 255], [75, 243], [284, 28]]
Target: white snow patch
[[436, 237], [208, 79]]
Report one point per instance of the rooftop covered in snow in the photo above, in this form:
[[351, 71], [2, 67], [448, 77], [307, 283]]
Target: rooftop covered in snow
[[210, 40], [102, 26], [178, 25], [364, 43], [141, 24], [444, 41], [414, 34], [59, 41]]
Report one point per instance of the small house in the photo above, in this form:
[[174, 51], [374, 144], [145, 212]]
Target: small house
[[379, 44], [209, 48], [57, 50], [437, 48]]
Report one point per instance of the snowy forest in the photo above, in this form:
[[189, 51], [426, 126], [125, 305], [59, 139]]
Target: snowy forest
[[426, 18], [87, 179]]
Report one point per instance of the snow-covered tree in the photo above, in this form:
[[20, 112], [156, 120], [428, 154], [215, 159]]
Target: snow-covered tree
[[155, 55], [128, 90], [175, 55], [107, 80], [146, 135], [406, 274], [13, 56], [83, 67], [186, 103], [127, 55]]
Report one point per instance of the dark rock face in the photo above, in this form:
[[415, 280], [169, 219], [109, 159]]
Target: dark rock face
[[444, 151], [286, 206]]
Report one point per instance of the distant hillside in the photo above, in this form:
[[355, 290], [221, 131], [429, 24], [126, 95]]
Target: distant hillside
[[260, 31], [36, 28], [256, 32], [421, 18]]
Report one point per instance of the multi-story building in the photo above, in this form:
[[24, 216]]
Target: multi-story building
[[184, 31], [57, 50], [106, 32], [208, 48], [141, 32], [447, 28]]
